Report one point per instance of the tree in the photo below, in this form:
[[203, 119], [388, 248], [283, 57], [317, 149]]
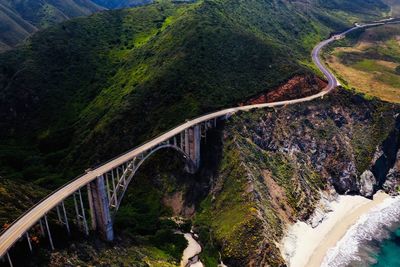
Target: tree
[[397, 70]]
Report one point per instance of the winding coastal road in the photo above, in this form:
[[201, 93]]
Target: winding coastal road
[[31, 217]]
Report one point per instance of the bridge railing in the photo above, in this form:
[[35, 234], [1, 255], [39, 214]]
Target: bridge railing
[[204, 118], [95, 167]]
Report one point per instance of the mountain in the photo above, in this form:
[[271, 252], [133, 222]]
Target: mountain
[[83, 91], [77, 89], [113, 4], [394, 6], [370, 7], [20, 18]]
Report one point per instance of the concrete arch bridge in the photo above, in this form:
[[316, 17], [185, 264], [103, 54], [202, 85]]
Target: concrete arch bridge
[[107, 184]]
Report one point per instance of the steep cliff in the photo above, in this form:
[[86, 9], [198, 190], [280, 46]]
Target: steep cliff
[[261, 171], [276, 162]]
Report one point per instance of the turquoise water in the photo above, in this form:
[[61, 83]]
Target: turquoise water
[[389, 254], [374, 241]]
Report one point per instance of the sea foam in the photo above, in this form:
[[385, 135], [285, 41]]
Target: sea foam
[[356, 247]]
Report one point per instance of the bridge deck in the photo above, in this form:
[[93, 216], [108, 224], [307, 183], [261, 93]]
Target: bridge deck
[[31, 217]]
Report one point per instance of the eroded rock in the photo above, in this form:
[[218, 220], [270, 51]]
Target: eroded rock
[[367, 184]]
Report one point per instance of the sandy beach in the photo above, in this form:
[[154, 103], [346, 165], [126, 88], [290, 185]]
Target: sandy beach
[[307, 246], [192, 250]]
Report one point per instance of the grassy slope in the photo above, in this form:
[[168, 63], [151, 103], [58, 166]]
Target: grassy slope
[[146, 237], [15, 198], [93, 87], [241, 218], [245, 213], [19, 19], [13, 28], [369, 60], [364, 7], [111, 4], [76, 90], [395, 7]]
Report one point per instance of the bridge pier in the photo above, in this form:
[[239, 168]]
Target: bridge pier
[[192, 148], [9, 260], [28, 238], [48, 232], [99, 208], [80, 212], [41, 227]]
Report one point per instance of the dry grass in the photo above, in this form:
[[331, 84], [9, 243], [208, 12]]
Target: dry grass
[[370, 65], [366, 82]]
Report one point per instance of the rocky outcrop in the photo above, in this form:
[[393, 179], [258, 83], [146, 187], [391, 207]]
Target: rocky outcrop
[[276, 163], [387, 155], [392, 183], [383, 171], [353, 145], [367, 183]]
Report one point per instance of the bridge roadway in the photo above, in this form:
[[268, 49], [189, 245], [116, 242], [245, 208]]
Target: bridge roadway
[[31, 217]]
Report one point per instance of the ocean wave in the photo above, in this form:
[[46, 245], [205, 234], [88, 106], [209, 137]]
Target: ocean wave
[[363, 238]]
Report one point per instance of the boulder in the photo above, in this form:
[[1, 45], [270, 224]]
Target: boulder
[[367, 183], [392, 182]]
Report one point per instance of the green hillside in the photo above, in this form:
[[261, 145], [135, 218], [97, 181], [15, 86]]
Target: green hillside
[[80, 92], [19, 19], [86, 90], [363, 7], [394, 6], [111, 4]]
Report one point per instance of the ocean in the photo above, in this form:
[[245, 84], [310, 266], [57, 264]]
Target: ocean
[[389, 251], [374, 241]]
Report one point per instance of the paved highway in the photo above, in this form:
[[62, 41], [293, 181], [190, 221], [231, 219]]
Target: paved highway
[[30, 218]]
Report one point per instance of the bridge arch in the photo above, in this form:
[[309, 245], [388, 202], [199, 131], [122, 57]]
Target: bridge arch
[[135, 167], [107, 190], [185, 138]]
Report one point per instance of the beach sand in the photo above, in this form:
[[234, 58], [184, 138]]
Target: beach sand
[[307, 246], [192, 250]]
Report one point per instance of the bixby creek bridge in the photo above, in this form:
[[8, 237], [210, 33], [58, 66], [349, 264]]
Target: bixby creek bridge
[[107, 184]]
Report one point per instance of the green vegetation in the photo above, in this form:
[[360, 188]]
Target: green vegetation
[[78, 93], [144, 218], [88, 253], [19, 19], [394, 7], [256, 192], [111, 4], [397, 70], [74, 91], [377, 131], [16, 197], [368, 61], [274, 166], [232, 217]]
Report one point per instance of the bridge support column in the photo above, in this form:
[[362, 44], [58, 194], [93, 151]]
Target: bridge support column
[[48, 232], [41, 227], [9, 260], [192, 148], [99, 208], [80, 211], [28, 238]]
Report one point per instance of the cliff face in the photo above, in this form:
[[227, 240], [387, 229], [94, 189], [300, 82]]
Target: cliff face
[[275, 163]]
